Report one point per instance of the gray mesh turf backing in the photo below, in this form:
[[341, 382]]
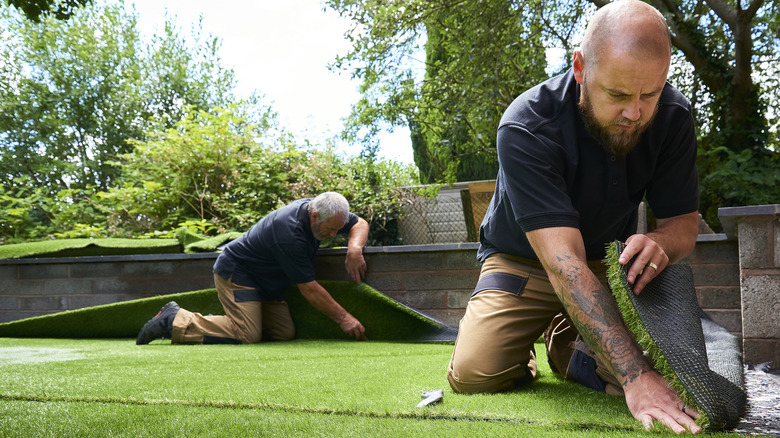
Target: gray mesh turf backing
[[697, 356]]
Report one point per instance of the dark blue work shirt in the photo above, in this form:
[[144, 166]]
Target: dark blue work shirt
[[553, 173], [275, 253]]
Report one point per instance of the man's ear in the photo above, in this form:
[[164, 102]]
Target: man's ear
[[578, 66]]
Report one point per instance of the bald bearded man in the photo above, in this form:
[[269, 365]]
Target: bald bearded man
[[577, 155]]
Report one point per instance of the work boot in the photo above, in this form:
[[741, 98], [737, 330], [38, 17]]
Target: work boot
[[160, 326]]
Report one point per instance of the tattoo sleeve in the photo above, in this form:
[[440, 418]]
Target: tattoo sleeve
[[594, 312]]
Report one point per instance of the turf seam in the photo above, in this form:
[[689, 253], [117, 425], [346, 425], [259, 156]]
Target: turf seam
[[294, 409]]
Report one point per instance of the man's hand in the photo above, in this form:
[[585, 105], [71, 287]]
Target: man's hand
[[670, 242], [352, 327], [322, 301], [650, 399], [650, 260], [356, 265]]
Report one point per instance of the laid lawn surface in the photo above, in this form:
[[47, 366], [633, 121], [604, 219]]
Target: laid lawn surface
[[67, 387]]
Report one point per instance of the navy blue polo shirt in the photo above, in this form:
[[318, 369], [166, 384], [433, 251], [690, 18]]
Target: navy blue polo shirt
[[553, 173], [275, 253]]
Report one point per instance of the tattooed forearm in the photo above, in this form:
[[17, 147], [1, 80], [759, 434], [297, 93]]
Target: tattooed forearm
[[594, 312]]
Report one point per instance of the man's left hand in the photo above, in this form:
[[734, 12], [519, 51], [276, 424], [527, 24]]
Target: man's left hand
[[650, 260], [356, 265]]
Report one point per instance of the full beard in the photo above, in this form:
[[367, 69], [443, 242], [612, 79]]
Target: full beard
[[619, 143]]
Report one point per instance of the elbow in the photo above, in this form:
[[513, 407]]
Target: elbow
[[307, 290]]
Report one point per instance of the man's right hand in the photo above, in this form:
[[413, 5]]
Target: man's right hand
[[650, 399], [352, 327], [322, 301]]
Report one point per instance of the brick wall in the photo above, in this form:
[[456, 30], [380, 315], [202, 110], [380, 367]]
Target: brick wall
[[33, 287], [757, 229], [716, 278], [435, 279]]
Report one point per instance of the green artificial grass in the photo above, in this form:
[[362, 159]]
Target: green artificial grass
[[63, 387], [193, 242], [621, 289], [383, 318], [190, 242], [210, 244], [89, 247]]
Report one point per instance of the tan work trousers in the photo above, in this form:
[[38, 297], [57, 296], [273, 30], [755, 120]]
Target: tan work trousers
[[244, 320], [494, 350]]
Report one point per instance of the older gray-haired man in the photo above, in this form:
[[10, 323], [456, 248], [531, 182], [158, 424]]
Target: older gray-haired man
[[253, 271]]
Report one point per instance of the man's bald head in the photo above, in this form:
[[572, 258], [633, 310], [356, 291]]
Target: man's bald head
[[626, 28]]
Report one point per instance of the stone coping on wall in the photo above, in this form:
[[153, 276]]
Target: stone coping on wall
[[462, 246], [729, 215], [213, 255]]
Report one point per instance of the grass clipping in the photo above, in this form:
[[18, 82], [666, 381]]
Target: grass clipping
[[621, 289]]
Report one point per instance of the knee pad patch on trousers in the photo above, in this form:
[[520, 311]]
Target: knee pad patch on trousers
[[501, 281]]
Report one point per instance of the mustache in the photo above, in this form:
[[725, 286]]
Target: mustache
[[626, 122]]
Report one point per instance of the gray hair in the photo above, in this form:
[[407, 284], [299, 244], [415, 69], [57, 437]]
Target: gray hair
[[329, 204]]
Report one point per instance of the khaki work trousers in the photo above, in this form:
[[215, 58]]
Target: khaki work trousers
[[494, 350], [244, 321]]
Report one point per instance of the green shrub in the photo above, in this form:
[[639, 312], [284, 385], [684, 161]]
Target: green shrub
[[213, 173], [731, 179]]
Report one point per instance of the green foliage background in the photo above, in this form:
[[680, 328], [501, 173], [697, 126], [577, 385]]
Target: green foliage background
[[103, 134], [73, 92], [212, 173], [449, 69]]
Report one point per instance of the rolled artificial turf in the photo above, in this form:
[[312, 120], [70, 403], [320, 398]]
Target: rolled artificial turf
[[383, 318], [703, 366]]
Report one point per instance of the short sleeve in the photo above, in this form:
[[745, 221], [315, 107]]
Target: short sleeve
[[351, 221], [534, 178]]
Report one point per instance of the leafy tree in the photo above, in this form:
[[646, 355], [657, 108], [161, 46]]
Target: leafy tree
[[725, 61], [59, 9], [373, 187], [213, 171], [453, 98], [72, 93]]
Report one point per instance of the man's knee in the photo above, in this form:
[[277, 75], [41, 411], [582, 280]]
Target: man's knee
[[489, 386], [464, 378], [251, 337], [280, 334]]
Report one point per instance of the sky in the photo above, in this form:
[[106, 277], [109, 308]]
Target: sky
[[281, 48]]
